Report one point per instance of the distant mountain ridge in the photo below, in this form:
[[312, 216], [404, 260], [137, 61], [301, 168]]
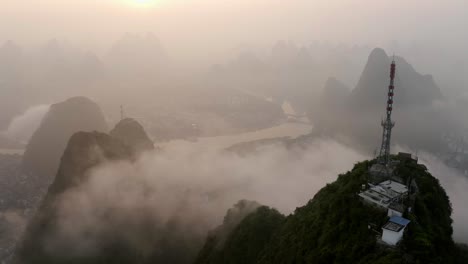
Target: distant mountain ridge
[[412, 88], [335, 91], [356, 116]]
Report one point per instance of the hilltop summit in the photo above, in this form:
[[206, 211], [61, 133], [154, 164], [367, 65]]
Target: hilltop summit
[[132, 134], [337, 226]]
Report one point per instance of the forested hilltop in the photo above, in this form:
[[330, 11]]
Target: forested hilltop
[[336, 226]]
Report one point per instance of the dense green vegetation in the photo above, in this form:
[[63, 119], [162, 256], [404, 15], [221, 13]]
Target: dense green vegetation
[[462, 254], [337, 227], [246, 240], [429, 238], [331, 228]]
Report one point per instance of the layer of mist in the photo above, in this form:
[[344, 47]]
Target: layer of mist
[[193, 189], [455, 185], [23, 126]]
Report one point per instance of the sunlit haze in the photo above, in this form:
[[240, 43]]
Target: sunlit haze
[[210, 27], [143, 3], [233, 131]]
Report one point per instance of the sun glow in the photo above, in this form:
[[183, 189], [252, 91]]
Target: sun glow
[[143, 3]]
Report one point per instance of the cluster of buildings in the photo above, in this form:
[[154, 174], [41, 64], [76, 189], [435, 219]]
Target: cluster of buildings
[[388, 194], [391, 195]]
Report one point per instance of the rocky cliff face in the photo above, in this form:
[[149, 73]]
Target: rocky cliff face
[[84, 151], [73, 226], [42, 156]]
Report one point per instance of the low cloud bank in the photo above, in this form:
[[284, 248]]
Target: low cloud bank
[[456, 186], [23, 126], [192, 189]]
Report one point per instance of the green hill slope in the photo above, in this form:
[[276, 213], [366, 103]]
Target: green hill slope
[[241, 242], [337, 227]]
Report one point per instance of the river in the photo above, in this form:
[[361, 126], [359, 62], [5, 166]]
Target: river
[[288, 129], [12, 151]]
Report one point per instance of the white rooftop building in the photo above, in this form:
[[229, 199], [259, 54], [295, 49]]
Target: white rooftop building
[[385, 193], [393, 230]]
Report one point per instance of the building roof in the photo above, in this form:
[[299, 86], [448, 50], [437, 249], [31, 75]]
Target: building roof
[[399, 220], [394, 186], [393, 227], [384, 193], [396, 224]]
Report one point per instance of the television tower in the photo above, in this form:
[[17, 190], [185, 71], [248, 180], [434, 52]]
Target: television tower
[[388, 124]]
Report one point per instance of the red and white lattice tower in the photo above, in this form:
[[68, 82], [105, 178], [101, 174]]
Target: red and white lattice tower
[[388, 124]]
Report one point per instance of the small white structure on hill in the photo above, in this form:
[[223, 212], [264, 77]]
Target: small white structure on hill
[[393, 230]]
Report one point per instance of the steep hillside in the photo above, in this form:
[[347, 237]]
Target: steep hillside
[[243, 241], [336, 226], [84, 151], [42, 156], [73, 226]]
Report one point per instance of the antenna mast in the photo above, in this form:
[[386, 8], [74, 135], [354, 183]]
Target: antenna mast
[[122, 114], [388, 124]]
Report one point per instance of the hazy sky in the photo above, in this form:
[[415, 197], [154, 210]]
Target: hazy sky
[[186, 26]]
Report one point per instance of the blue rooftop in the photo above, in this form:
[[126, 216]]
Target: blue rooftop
[[399, 220]]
